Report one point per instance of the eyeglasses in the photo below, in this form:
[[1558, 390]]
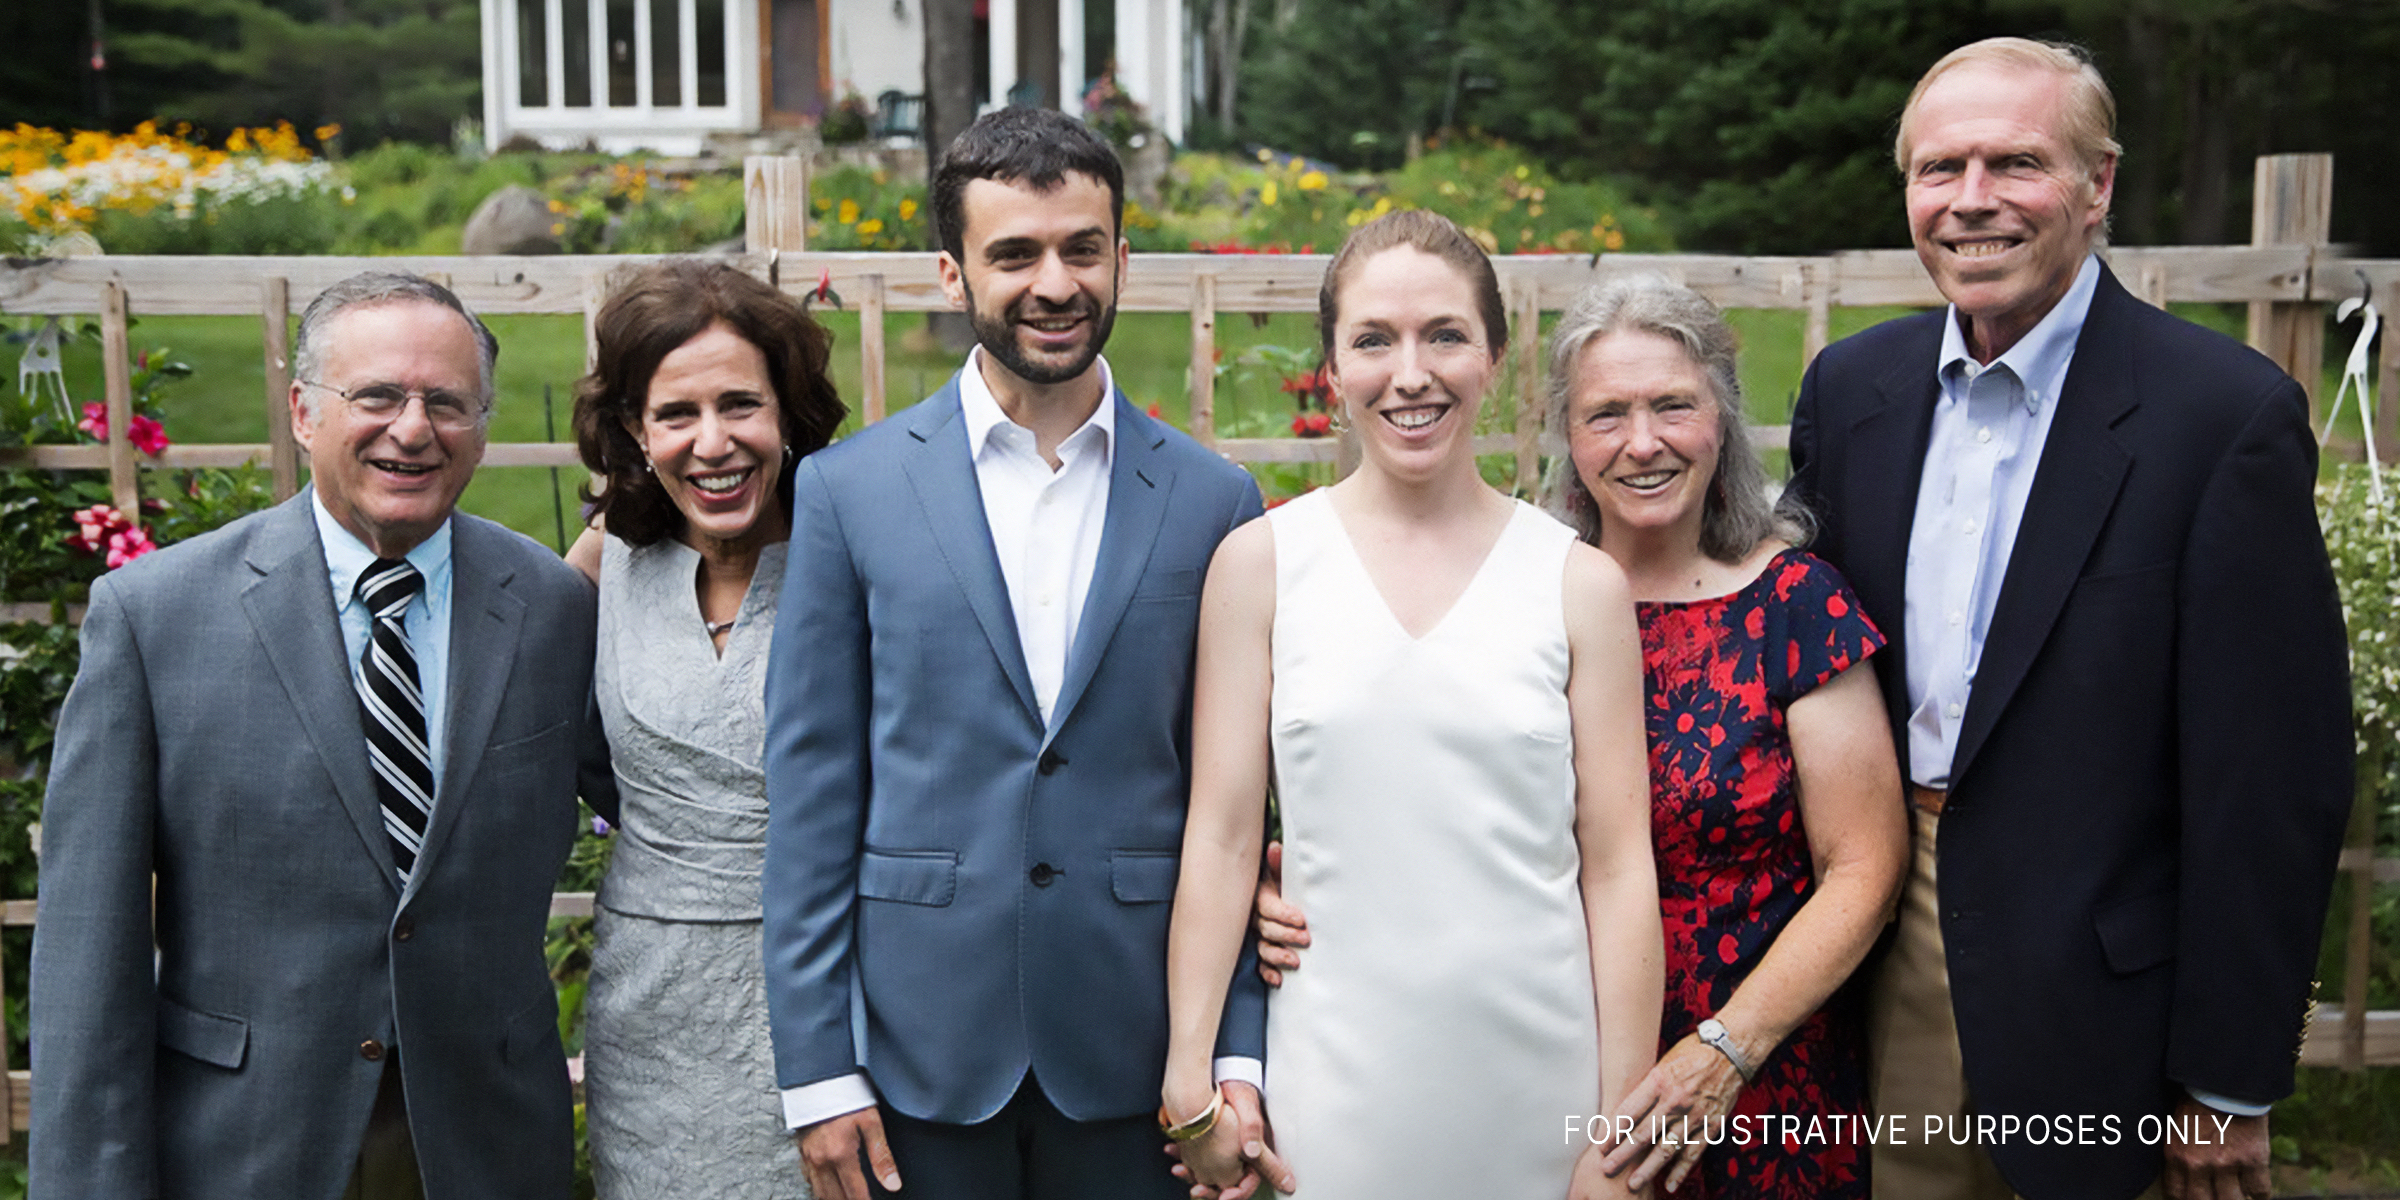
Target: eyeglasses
[[446, 410]]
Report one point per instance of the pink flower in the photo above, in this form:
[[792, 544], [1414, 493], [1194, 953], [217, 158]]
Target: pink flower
[[148, 435], [128, 546], [103, 530]]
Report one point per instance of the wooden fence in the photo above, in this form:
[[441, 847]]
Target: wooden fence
[[2288, 276]]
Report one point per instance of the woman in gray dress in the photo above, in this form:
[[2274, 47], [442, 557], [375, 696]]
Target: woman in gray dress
[[709, 387]]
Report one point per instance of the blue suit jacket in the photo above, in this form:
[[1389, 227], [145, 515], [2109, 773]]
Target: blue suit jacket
[[997, 889]]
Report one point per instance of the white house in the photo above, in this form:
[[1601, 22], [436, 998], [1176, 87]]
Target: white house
[[665, 74]]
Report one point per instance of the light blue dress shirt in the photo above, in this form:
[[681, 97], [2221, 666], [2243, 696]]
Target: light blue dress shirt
[[1989, 427], [427, 621]]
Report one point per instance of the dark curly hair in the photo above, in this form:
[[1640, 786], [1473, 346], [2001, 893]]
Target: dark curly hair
[[654, 309]]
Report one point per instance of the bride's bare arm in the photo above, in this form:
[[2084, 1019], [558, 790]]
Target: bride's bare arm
[[1232, 685]]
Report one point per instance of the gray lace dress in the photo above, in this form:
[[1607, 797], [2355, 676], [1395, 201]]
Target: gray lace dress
[[678, 1073]]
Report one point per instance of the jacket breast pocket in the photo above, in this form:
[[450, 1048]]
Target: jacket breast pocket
[[500, 758], [213, 1039], [1143, 876], [1168, 585], [2154, 584], [2137, 934], [927, 877]]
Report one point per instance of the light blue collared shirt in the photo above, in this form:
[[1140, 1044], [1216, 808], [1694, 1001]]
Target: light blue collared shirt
[[1989, 427], [427, 620]]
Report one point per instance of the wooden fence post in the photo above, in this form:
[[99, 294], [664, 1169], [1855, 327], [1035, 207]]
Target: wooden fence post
[[1204, 359], [1816, 289], [2291, 203], [116, 366], [2358, 861], [275, 320], [775, 204], [870, 347], [1530, 394]]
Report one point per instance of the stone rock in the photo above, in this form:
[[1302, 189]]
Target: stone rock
[[514, 220]]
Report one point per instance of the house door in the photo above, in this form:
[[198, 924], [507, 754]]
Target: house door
[[796, 66]]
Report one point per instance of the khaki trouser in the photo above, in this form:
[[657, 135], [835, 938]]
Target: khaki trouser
[[1912, 1044]]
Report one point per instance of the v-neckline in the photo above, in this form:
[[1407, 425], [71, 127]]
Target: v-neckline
[[1384, 603], [715, 655]]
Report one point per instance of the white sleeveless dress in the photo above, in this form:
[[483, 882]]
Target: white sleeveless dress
[[1440, 1027]]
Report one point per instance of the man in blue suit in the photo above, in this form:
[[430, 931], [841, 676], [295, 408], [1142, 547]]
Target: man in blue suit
[[978, 713]]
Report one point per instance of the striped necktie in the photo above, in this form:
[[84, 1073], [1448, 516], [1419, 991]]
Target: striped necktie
[[394, 710]]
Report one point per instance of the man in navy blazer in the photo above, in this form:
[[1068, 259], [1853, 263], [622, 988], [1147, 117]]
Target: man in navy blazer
[[978, 728], [2118, 677]]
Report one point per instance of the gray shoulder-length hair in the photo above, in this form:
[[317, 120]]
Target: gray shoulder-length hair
[[1738, 512]]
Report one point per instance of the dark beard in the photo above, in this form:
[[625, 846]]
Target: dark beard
[[998, 337]]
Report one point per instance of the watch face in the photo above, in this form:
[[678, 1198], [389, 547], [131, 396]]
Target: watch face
[[1711, 1029]]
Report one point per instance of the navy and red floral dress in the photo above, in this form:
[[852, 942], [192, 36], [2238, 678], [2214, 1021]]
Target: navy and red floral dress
[[1733, 860]]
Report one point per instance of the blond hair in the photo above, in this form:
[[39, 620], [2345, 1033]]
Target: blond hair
[[2091, 111]]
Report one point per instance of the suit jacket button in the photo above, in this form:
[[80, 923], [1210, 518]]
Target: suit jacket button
[[403, 929], [1050, 762], [371, 1050], [1043, 873]]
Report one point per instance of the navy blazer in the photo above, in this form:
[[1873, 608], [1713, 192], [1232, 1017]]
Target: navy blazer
[[2153, 771], [998, 889]]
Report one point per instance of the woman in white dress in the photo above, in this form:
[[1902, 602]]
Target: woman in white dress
[[708, 387], [1443, 687]]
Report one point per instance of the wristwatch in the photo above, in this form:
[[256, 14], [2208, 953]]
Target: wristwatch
[[1712, 1031]]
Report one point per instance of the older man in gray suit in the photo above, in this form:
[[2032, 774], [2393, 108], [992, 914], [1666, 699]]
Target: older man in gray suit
[[313, 785]]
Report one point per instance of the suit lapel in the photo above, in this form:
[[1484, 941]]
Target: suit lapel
[[290, 606], [941, 469], [485, 621], [2074, 488], [1139, 482], [1882, 503]]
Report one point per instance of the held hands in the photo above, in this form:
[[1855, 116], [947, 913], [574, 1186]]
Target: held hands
[[829, 1154], [1282, 931], [1691, 1080], [1236, 1156], [2230, 1165]]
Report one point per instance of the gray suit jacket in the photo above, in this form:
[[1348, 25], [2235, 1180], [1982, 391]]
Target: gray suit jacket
[[212, 743], [999, 886]]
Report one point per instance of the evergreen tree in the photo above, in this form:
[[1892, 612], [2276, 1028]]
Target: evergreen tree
[[1350, 81], [399, 69]]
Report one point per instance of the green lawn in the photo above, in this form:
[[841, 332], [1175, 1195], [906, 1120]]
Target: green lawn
[[223, 401]]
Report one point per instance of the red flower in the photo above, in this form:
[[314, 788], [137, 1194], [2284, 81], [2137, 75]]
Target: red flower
[[101, 529], [148, 435]]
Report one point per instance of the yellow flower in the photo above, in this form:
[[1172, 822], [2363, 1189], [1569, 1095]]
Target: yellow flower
[[848, 213], [908, 207], [1523, 170], [1615, 240], [870, 227], [1266, 156], [1312, 181], [824, 205], [1266, 195], [326, 133], [238, 141]]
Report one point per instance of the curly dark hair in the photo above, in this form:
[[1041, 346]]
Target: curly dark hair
[[654, 309]]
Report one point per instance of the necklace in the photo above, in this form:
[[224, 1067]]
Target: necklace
[[717, 628]]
